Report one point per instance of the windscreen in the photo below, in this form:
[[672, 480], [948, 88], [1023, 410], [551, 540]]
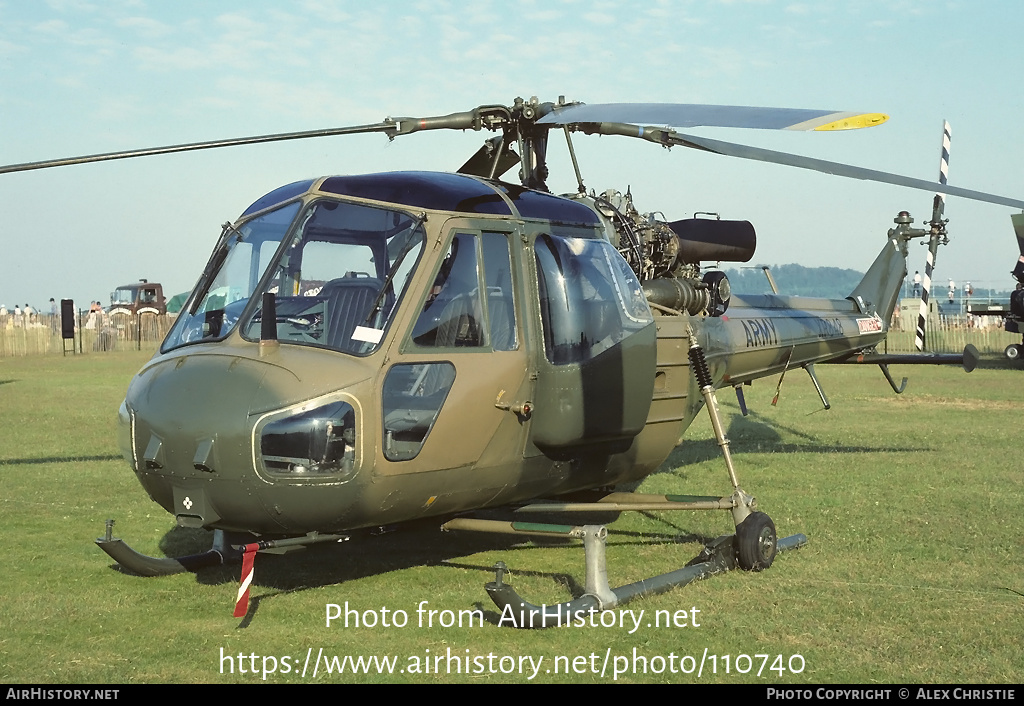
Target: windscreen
[[123, 295], [340, 279], [237, 265]]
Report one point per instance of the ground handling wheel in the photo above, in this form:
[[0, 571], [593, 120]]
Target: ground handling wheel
[[1012, 351], [756, 542]]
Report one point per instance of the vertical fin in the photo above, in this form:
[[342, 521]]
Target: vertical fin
[[1018, 229]]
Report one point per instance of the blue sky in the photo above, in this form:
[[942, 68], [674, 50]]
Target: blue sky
[[80, 77]]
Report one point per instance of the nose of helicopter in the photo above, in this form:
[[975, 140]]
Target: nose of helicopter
[[189, 429]]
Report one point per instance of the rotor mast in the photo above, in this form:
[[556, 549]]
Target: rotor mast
[[519, 125]]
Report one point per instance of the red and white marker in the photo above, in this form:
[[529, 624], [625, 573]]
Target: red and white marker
[[248, 559]]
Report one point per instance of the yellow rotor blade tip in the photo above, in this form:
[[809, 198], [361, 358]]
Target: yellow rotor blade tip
[[855, 122]]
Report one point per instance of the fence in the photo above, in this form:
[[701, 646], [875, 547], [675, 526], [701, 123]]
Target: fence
[[949, 334], [42, 334], [946, 334]]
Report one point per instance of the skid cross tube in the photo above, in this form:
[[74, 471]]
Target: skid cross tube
[[627, 502]]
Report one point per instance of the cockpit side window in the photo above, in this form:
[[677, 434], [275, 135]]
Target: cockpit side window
[[500, 292], [471, 302], [453, 314], [411, 401]]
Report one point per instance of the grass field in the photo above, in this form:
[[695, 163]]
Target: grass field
[[913, 572]]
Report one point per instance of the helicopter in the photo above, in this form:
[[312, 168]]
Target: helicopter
[[367, 350]]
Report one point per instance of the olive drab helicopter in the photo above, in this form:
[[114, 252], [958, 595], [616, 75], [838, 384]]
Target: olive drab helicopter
[[362, 351]]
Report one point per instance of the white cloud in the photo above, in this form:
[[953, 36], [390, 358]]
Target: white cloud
[[52, 27], [8, 49], [181, 59], [599, 18], [326, 11], [798, 9], [145, 26], [71, 6]]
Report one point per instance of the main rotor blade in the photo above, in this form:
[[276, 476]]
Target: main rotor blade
[[698, 115], [821, 165], [386, 126]]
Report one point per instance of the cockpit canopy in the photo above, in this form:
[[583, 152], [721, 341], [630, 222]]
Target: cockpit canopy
[[338, 268]]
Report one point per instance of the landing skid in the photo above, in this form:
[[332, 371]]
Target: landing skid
[[723, 554], [221, 553], [144, 565]]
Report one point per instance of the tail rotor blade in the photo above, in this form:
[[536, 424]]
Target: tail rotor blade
[[938, 208]]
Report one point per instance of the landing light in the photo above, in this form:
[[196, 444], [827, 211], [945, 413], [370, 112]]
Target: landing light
[[318, 442]]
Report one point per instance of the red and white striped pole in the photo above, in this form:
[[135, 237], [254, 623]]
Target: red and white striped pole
[[937, 232], [248, 560]]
